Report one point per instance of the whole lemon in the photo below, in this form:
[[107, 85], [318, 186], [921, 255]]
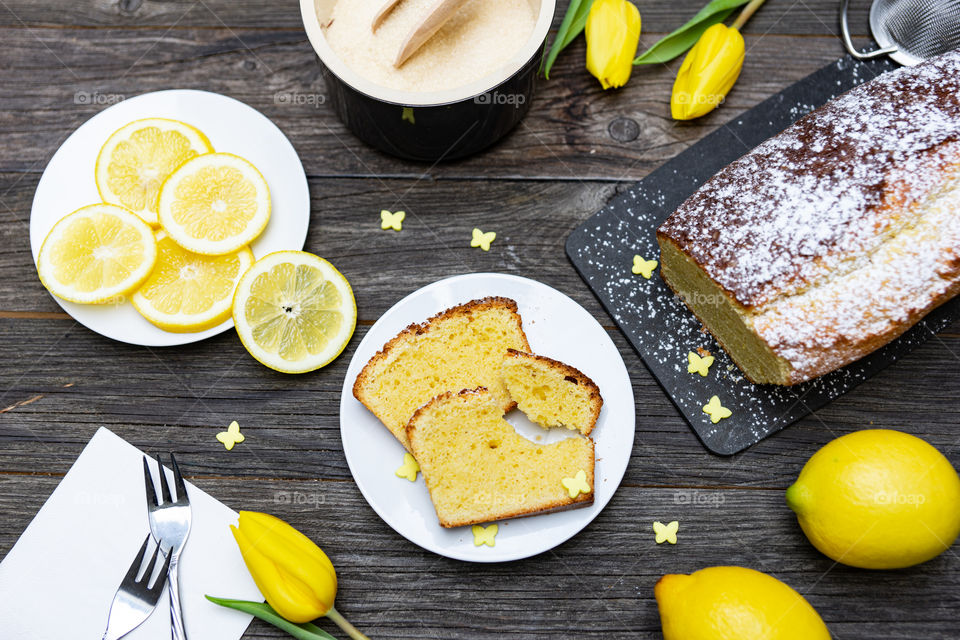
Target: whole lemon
[[878, 499], [734, 603]]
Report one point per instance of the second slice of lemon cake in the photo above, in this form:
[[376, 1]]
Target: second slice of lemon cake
[[478, 468], [460, 348], [551, 393]]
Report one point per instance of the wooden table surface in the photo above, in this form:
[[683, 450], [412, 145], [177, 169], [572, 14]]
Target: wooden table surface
[[62, 62]]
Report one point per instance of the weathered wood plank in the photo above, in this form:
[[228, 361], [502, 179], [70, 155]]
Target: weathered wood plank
[[599, 584], [809, 17], [59, 382], [532, 220], [185, 395], [57, 79], [180, 398]]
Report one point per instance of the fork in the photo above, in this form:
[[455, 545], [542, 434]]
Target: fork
[[135, 600], [170, 525]]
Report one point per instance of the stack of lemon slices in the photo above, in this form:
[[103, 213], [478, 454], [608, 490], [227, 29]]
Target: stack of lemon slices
[[172, 235]]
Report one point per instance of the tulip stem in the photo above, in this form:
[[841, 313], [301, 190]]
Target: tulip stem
[[344, 624], [748, 11]]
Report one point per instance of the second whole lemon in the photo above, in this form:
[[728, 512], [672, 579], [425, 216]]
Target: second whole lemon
[[734, 603], [878, 499]]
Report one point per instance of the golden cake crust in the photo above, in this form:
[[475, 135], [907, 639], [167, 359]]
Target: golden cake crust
[[836, 236], [574, 375], [582, 500], [416, 329]]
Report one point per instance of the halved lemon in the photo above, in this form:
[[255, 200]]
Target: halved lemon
[[294, 312], [138, 157], [189, 292], [97, 254], [214, 204]]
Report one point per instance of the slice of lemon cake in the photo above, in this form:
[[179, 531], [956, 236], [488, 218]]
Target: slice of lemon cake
[[460, 348], [551, 393], [478, 468]]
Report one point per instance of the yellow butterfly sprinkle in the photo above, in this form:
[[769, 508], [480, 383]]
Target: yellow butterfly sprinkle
[[407, 114], [483, 240], [716, 411], [698, 364], [666, 532], [231, 436], [392, 220], [484, 535], [409, 468], [577, 484], [643, 267]]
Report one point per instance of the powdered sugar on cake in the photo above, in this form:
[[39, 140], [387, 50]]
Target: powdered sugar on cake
[[890, 289], [843, 231], [823, 194]]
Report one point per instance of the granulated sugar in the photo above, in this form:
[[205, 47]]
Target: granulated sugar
[[479, 39]]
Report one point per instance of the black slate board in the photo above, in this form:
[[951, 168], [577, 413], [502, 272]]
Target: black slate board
[[661, 328]]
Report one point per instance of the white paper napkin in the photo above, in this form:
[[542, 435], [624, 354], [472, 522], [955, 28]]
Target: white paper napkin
[[59, 579]]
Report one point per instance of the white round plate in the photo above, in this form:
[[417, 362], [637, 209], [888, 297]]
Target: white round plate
[[68, 184], [557, 327]]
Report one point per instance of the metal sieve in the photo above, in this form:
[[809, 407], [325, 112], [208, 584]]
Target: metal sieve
[[909, 31]]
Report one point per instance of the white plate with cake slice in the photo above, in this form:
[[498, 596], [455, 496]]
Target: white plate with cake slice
[[556, 327]]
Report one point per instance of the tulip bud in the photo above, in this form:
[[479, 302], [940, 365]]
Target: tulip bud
[[293, 574], [612, 32], [708, 72]]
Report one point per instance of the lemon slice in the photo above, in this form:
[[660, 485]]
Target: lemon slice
[[97, 254], [294, 311], [214, 204], [138, 157], [190, 292]]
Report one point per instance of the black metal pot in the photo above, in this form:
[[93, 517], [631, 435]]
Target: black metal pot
[[430, 127]]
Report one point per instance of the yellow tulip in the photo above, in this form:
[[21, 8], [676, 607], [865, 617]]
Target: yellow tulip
[[612, 32], [293, 574], [708, 72]]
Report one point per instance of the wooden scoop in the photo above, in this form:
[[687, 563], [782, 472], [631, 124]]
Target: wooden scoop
[[383, 13], [436, 17]]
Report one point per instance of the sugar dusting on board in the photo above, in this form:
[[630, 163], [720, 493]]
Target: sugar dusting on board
[[658, 324]]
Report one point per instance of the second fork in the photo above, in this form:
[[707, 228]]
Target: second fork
[[170, 520]]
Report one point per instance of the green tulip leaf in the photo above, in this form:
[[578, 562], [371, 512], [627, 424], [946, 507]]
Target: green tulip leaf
[[572, 26], [265, 612], [677, 42]]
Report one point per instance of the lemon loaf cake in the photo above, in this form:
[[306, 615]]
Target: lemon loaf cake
[[833, 238], [551, 393], [478, 468], [460, 348]]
